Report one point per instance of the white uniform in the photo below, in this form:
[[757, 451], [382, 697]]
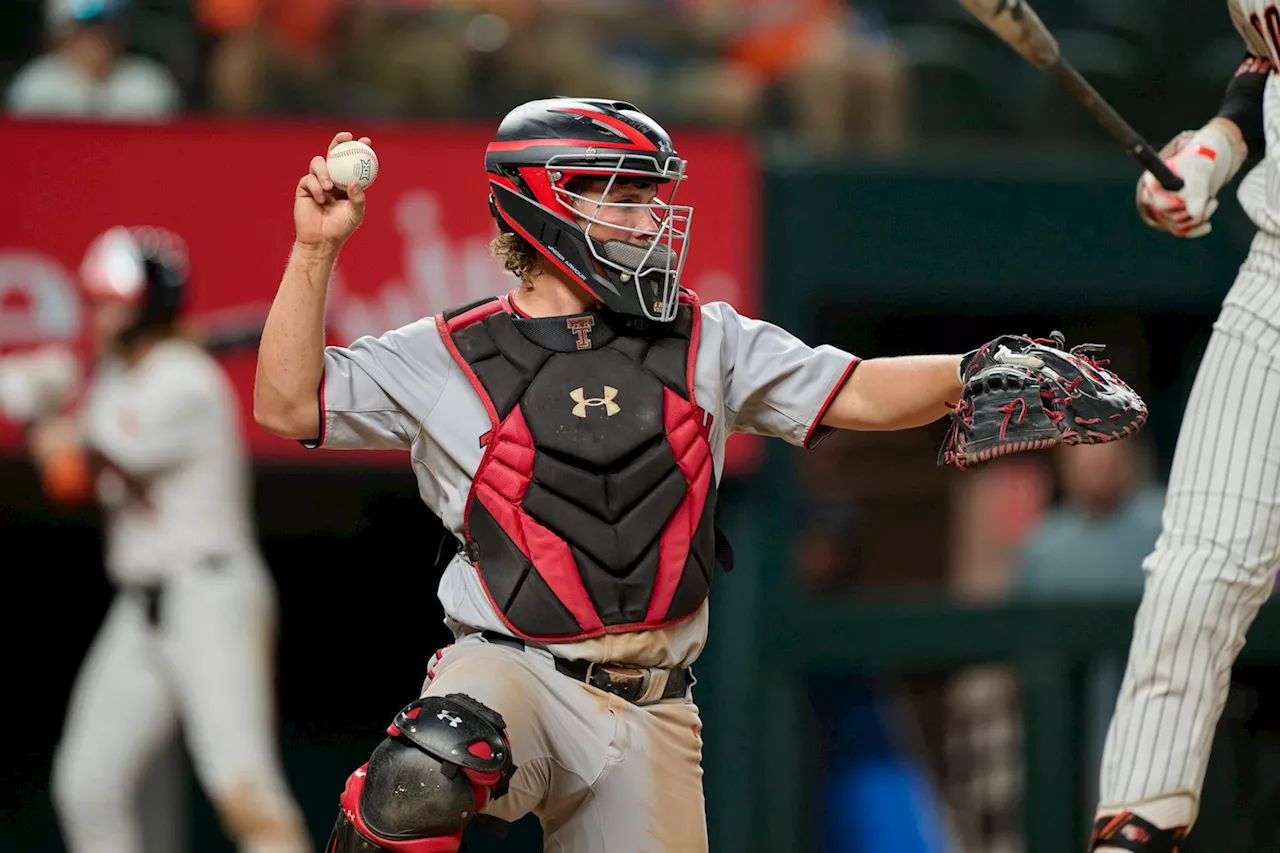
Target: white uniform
[[189, 637], [1216, 561]]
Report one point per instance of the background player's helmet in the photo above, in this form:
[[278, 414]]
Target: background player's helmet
[[63, 15], [145, 268], [543, 145]]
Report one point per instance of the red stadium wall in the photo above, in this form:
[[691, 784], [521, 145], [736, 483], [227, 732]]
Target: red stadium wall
[[227, 187]]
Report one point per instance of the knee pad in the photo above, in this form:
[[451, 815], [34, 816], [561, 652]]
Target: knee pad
[[443, 759]]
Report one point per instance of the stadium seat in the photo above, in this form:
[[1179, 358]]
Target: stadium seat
[[1205, 74], [955, 79], [1144, 25], [1111, 66]]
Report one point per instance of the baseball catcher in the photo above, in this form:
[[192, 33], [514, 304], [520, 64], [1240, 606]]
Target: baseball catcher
[[570, 433]]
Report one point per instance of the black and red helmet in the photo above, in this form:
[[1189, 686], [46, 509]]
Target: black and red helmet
[[143, 267], [543, 145]]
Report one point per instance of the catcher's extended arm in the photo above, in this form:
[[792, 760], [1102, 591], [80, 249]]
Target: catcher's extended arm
[[1024, 393]]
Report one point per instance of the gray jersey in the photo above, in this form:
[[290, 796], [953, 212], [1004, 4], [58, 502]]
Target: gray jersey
[[404, 390], [176, 487]]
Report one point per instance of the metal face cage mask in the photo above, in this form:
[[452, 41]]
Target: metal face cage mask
[[652, 265]]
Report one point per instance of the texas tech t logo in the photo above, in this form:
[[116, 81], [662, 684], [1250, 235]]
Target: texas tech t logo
[[581, 327], [580, 397]]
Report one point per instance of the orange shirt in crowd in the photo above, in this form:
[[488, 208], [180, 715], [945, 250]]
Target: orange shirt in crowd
[[302, 25], [777, 34], [299, 25]]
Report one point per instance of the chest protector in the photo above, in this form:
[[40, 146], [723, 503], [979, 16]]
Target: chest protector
[[592, 510]]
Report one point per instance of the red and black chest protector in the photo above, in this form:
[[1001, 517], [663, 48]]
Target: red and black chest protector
[[592, 510]]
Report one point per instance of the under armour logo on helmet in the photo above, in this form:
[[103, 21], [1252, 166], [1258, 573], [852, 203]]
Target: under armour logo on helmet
[[453, 721], [580, 397]]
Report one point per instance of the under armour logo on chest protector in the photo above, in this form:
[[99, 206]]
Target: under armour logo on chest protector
[[582, 401]]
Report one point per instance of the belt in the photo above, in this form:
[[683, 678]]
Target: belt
[[150, 595], [634, 684]]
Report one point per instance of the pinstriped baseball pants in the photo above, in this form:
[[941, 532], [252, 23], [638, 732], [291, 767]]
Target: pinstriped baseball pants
[[1215, 562]]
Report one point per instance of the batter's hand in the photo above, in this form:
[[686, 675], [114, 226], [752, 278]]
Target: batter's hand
[[324, 216], [1206, 160], [34, 385]]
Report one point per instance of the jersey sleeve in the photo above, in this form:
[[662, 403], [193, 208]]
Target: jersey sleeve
[[377, 391], [184, 402], [774, 384], [1253, 39]]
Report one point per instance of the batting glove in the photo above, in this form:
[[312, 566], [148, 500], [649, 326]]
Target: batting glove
[[1206, 160], [35, 384]]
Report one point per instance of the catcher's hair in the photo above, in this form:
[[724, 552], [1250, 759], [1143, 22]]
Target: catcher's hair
[[518, 256]]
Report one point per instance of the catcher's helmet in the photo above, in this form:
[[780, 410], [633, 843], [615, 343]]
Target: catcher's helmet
[[543, 145], [143, 267]]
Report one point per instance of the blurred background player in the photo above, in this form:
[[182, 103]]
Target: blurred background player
[[1215, 562], [189, 637]]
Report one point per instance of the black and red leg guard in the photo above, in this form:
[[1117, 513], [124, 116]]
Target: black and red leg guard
[[443, 759], [1130, 832]]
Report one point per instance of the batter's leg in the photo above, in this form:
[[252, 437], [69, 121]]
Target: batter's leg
[[219, 639], [120, 715], [1212, 568]]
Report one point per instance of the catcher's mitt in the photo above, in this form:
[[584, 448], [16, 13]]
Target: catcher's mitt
[[1024, 393]]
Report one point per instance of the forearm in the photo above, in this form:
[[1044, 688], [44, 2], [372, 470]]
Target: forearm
[[1241, 110], [291, 354], [58, 451], [896, 393]]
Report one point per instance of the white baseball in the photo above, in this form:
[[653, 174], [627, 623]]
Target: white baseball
[[352, 163]]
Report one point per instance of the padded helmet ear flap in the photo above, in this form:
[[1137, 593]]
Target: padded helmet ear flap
[[503, 226]]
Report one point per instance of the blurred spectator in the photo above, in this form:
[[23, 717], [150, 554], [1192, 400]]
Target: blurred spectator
[[724, 63], [368, 58], [815, 64], [650, 52], [1093, 542], [843, 82], [87, 73], [254, 45]]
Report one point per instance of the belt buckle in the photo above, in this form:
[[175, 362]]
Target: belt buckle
[[632, 689]]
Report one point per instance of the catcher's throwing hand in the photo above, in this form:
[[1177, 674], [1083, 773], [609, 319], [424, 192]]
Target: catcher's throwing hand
[[1025, 393], [324, 216], [1206, 160]]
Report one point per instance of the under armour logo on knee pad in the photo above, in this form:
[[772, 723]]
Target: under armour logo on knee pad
[[453, 721]]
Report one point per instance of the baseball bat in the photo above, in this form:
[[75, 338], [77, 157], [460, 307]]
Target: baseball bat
[[225, 339], [1018, 26]]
